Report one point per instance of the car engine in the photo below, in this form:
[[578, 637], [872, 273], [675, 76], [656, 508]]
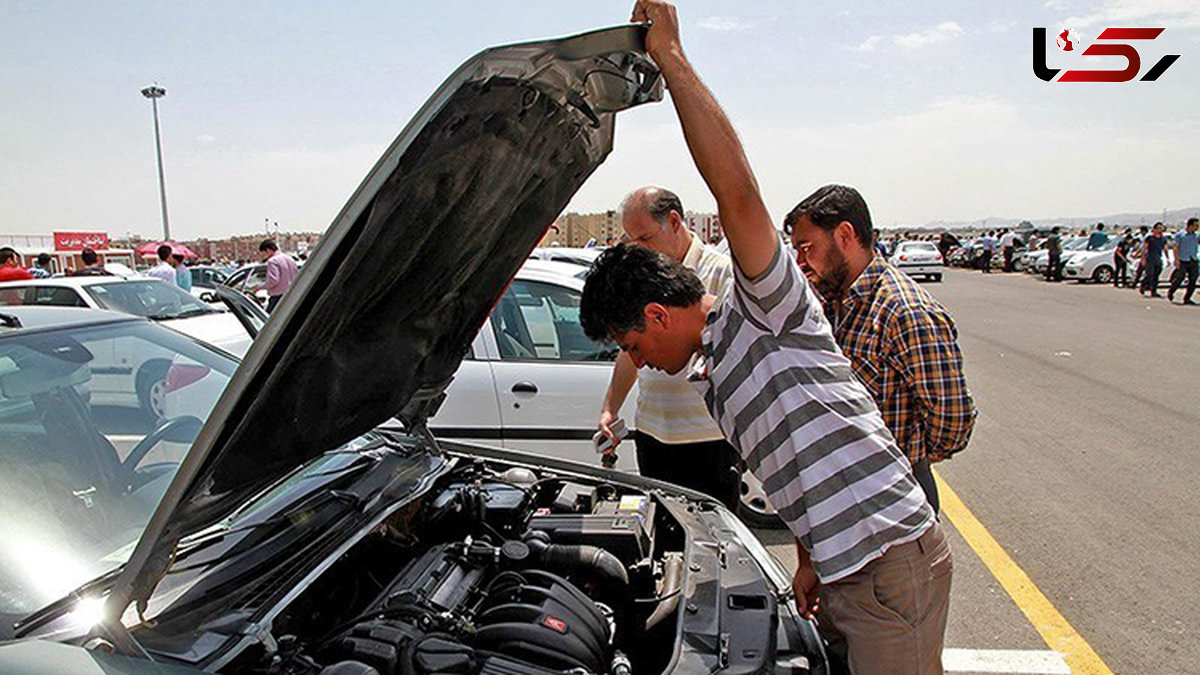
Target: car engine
[[530, 575]]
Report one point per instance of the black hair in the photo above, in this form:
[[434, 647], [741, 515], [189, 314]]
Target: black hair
[[1193, 220], [178, 257], [164, 252], [267, 245], [43, 259], [1143, 228], [7, 254], [623, 280], [829, 206], [89, 256]]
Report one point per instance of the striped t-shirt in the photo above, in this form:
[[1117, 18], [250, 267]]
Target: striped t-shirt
[[785, 396], [668, 407]]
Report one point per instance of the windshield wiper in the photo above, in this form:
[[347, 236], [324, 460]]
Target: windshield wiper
[[65, 604], [195, 311]]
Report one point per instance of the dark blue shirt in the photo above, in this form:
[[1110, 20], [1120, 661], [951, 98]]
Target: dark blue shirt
[[1154, 247]]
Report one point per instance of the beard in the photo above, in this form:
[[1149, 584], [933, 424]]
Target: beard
[[836, 278]]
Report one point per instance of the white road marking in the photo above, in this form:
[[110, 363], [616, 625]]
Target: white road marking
[[1018, 661]]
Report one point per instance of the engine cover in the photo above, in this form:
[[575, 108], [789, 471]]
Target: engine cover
[[453, 610]]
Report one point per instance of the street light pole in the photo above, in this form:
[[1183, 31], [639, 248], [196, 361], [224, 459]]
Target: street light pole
[[154, 93]]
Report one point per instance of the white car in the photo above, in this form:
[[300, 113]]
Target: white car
[[140, 296], [919, 259], [1035, 261], [1096, 265], [533, 380]]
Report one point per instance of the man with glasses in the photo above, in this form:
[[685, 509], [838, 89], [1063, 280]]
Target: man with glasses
[[676, 439]]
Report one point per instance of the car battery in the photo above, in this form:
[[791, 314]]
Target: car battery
[[623, 527]]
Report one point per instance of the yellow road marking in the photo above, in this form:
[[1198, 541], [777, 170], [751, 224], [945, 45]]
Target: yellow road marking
[[1053, 626]]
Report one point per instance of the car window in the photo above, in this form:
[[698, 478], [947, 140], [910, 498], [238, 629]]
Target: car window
[[236, 278], [52, 296], [94, 421], [149, 298], [918, 246], [540, 321]]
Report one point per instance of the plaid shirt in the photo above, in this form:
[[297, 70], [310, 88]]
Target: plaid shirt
[[903, 345]]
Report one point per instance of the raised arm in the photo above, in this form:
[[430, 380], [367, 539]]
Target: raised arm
[[713, 143]]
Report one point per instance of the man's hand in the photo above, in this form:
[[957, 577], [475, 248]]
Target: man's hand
[[606, 419], [807, 588], [663, 37]]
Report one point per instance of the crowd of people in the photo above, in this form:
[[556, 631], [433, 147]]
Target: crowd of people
[[1139, 257], [171, 267]]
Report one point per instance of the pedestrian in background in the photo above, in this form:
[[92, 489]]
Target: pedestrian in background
[[1121, 259], [902, 343], [281, 272], [1097, 238], [164, 270], [1054, 256], [990, 243], [879, 247], [10, 266], [183, 275], [1008, 245], [1152, 259], [42, 269], [1137, 255], [676, 438], [91, 265], [1185, 262]]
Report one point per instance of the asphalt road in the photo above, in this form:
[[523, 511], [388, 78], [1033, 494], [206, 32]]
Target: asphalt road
[[1083, 466]]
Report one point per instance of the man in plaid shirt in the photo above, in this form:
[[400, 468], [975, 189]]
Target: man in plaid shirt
[[901, 342]]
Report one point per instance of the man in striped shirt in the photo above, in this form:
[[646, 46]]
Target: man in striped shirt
[[676, 439], [764, 358]]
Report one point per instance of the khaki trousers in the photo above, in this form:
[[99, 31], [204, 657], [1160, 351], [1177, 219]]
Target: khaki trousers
[[890, 617]]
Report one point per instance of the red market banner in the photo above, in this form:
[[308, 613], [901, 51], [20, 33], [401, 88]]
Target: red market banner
[[77, 241]]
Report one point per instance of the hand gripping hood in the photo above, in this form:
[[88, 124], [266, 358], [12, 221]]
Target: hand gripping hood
[[381, 315]]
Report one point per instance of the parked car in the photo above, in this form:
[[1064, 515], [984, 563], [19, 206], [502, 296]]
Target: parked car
[[919, 259], [1096, 265], [140, 296], [1036, 261], [294, 529]]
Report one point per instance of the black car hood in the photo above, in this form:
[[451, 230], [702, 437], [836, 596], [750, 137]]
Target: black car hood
[[382, 314]]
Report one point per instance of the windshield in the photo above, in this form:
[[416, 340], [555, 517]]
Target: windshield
[[918, 246], [149, 298], [93, 424], [1075, 244]]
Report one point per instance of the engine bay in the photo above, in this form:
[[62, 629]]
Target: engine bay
[[496, 570]]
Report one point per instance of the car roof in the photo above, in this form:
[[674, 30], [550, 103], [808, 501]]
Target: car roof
[[42, 317], [76, 282], [563, 274]]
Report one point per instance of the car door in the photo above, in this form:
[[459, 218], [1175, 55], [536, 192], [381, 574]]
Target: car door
[[550, 378], [471, 411]]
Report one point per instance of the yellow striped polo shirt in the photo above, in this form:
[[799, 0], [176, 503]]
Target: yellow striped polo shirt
[[668, 406]]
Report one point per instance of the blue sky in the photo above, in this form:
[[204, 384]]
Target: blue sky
[[277, 110]]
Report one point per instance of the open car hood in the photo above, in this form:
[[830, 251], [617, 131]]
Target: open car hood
[[381, 315]]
